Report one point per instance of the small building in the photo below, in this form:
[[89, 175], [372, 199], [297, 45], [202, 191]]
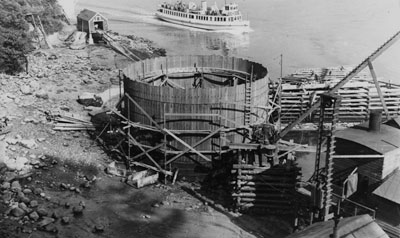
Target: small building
[[89, 21], [372, 149], [387, 198], [362, 226]]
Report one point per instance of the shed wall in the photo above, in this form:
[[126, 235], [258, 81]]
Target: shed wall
[[372, 168], [391, 162]]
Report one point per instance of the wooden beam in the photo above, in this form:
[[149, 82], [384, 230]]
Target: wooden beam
[[193, 114], [152, 168], [186, 155], [287, 152], [148, 151], [143, 150], [188, 146], [196, 144], [144, 112], [378, 88], [358, 156]]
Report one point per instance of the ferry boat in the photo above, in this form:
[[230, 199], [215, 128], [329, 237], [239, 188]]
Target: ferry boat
[[202, 17]]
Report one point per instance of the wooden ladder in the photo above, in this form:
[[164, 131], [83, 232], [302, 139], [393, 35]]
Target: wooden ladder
[[248, 99]]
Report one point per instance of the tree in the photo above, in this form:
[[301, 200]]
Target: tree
[[15, 41], [15, 37]]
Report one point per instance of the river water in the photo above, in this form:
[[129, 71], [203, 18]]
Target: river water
[[308, 33]]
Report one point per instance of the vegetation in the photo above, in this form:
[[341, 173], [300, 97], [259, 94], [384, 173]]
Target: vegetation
[[16, 35]]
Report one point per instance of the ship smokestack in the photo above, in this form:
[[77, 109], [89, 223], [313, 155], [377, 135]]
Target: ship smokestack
[[375, 120], [203, 5]]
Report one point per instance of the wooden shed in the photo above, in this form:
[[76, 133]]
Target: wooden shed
[[387, 197], [89, 21], [351, 227], [373, 148]]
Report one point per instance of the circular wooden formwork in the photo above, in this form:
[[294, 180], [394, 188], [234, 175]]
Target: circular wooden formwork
[[166, 86]]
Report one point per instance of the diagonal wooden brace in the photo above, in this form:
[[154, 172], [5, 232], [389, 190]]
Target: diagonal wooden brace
[[378, 88], [187, 145], [159, 169], [148, 151], [196, 144], [143, 111]]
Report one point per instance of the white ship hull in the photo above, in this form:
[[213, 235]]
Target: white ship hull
[[200, 24]]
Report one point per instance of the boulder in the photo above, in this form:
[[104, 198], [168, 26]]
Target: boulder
[[27, 191], [42, 94], [65, 220], [2, 153], [24, 207], [29, 144], [5, 185], [90, 99], [17, 212], [25, 200], [26, 89], [98, 228], [34, 216], [17, 164], [45, 221], [15, 186], [11, 141], [41, 211], [51, 228], [37, 191], [32, 120], [77, 210], [7, 196], [34, 85], [56, 214], [33, 203]]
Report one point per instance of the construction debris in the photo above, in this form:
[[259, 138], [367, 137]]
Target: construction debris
[[142, 178], [70, 122]]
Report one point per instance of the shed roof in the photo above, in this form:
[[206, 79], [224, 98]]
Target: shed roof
[[390, 189], [351, 227], [87, 14], [395, 122], [388, 139]]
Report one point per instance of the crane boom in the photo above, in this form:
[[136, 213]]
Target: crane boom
[[346, 79]]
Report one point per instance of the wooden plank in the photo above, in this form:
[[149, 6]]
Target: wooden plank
[[378, 88], [358, 156], [148, 151], [144, 112]]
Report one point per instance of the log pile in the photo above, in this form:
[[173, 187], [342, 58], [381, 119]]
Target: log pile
[[265, 189], [301, 89]]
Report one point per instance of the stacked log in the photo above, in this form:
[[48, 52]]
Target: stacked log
[[265, 189], [301, 89]]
